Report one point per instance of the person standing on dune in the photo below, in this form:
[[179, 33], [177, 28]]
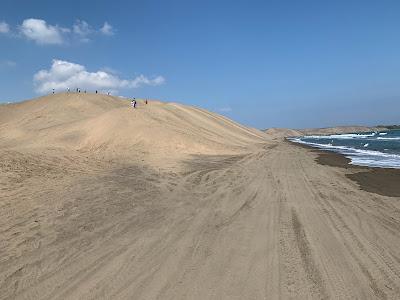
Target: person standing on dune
[[133, 102]]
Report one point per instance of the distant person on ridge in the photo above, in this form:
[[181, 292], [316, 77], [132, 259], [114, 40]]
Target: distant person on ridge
[[53, 91]]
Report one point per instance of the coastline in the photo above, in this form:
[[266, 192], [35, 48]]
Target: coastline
[[382, 181]]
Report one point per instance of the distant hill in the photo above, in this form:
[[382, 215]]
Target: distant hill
[[391, 127], [284, 132], [340, 130]]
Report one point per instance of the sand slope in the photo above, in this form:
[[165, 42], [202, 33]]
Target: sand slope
[[86, 212]]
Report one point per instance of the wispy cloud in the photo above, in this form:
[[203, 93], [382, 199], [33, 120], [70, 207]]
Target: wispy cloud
[[43, 33], [4, 27], [82, 30], [107, 29], [64, 74]]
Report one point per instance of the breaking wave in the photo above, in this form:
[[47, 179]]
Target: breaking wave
[[385, 152]]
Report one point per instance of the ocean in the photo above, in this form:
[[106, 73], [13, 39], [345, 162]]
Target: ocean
[[372, 149]]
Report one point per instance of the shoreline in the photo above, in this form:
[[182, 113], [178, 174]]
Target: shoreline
[[381, 181]]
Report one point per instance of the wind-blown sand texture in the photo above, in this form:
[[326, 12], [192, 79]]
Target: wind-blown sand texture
[[100, 201]]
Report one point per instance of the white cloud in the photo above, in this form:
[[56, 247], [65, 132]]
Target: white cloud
[[4, 27], [107, 29], [45, 34], [64, 74], [41, 32]]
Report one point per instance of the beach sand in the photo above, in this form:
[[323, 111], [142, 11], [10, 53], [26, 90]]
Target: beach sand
[[175, 202]]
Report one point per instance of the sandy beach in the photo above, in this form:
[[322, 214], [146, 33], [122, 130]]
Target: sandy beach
[[100, 201]]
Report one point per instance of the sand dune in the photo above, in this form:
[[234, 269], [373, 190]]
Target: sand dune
[[108, 124], [100, 201], [277, 133]]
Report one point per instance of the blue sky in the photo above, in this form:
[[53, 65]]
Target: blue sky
[[263, 63]]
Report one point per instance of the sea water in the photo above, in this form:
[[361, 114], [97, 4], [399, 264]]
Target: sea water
[[373, 149]]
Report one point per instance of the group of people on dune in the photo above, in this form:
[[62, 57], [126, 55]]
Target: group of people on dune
[[78, 90], [134, 102]]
